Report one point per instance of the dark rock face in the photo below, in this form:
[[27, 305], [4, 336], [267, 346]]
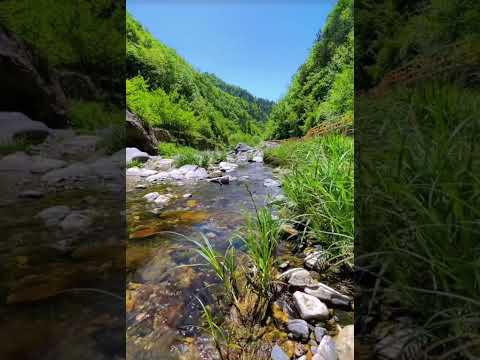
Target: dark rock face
[[28, 86], [140, 135]]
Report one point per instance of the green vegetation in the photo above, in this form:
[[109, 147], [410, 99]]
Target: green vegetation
[[185, 155], [198, 109], [320, 190], [10, 147], [322, 89]]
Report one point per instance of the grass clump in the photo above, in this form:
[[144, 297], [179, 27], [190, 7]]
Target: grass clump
[[135, 163], [10, 147], [320, 189], [185, 155]]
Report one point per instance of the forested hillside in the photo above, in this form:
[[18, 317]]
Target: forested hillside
[[322, 89], [197, 109]]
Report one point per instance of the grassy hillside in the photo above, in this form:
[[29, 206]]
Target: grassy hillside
[[322, 89], [198, 109]]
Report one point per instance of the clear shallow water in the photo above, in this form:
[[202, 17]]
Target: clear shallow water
[[167, 263]]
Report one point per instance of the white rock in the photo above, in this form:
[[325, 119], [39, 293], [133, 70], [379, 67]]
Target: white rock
[[345, 343], [132, 154], [271, 183], [163, 199], [160, 176], [159, 164], [309, 307], [285, 276], [186, 196], [151, 196], [135, 171], [227, 166], [326, 293], [301, 278], [326, 349]]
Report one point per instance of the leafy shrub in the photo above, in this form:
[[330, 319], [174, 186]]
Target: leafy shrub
[[89, 116]]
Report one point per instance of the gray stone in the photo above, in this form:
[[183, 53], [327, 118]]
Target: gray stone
[[132, 154], [151, 196], [301, 279], [80, 145], [309, 307], [140, 134], [53, 215], [135, 171], [222, 180], [317, 260], [271, 183], [279, 354], [326, 350], [241, 147], [72, 173], [76, 221], [160, 176], [196, 173], [227, 166], [31, 194], [163, 199], [285, 276], [15, 125], [22, 162], [344, 342], [327, 294], [159, 164], [320, 332], [298, 328], [41, 165], [106, 169], [187, 196]]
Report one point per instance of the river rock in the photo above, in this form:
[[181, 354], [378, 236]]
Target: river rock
[[140, 134], [285, 276], [160, 176], [327, 294], [317, 260], [159, 164], [107, 169], [80, 145], [151, 196], [344, 342], [163, 199], [320, 332], [195, 172], [132, 154], [271, 183], [53, 215], [301, 279], [298, 328], [76, 221], [15, 125], [41, 165], [279, 354], [135, 171], [309, 307], [31, 194], [222, 180], [326, 350], [241, 147], [227, 166], [74, 173]]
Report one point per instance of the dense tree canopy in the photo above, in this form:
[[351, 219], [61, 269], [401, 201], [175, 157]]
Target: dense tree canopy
[[197, 108], [322, 89]]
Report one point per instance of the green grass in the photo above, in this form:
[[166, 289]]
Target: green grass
[[320, 188], [185, 155], [135, 163], [421, 204], [10, 147]]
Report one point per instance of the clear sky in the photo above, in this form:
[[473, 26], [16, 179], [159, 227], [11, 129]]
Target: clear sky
[[257, 45]]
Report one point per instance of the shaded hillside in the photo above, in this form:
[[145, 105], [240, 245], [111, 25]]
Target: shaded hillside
[[197, 109], [322, 89]]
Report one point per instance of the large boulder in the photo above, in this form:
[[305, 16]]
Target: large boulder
[[28, 85], [140, 135], [15, 126]]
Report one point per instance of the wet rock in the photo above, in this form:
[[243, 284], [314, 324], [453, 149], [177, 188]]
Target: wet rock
[[151, 196], [309, 307], [20, 161], [241, 147], [53, 215], [163, 199], [41, 165], [285, 276], [80, 145], [271, 183], [136, 171], [344, 342], [227, 166], [279, 354], [222, 180], [284, 265], [140, 134], [194, 172], [328, 295], [301, 279], [160, 176], [317, 261], [76, 221], [320, 332], [299, 329], [215, 174], [257, 158], [132, 154], [187, 196], [73, 173], [159, 164], [106, 169], [326, 349], [31, 194]]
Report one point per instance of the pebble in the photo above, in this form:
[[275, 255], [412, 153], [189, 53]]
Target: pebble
[[279, 354], [298, 328], [151, 196]]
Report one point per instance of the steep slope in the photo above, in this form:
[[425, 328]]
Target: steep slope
[[322, 89], [197, 109]]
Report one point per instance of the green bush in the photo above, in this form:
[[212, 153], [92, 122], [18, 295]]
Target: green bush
[[185, 155]]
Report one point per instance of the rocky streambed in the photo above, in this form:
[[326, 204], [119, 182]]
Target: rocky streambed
[[166, 206]]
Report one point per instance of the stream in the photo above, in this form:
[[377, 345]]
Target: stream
[[164, 278]]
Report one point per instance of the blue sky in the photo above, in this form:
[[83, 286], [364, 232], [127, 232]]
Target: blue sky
[[257, 45]]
